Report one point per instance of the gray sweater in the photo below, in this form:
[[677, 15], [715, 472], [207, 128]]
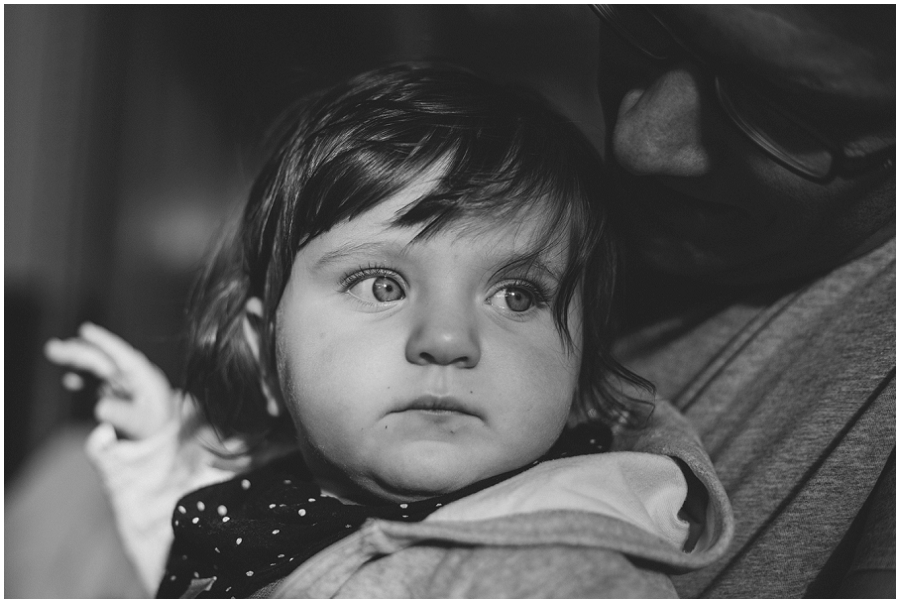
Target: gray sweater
[[793, 394]]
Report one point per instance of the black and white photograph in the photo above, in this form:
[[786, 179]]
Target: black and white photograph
[[412, 301]]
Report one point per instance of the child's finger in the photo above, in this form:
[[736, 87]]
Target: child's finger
[[115, 412], [124, 417], [112, 344], [81, 355], [72, 382]]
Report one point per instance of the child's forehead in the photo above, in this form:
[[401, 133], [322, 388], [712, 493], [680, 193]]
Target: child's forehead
[[517, 236]]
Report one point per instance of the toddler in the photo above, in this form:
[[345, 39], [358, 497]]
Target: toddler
[[405, 350]]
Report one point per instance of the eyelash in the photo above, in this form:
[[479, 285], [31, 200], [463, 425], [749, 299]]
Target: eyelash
[[538, 292], [363, 272]]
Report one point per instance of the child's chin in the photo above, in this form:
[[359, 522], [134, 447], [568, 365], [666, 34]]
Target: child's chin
[[415, 481]]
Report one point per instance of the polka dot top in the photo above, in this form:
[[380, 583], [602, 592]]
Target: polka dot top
[[233, 538]]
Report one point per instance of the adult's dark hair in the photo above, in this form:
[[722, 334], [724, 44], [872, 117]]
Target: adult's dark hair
[[353, 146]]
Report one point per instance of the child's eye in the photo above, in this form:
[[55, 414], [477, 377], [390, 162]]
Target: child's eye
[[377, 289], [514, 298]]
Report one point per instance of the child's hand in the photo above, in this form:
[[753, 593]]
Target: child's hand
[[135, 395]]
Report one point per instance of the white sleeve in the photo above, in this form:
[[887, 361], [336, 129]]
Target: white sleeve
[[144, 480]]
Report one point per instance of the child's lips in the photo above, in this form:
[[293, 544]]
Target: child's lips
[[438, 405]]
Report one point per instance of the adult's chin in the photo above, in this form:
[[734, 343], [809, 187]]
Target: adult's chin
[[686, 236]]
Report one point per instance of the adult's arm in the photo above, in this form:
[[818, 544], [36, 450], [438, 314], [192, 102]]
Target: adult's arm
[[872, 573]]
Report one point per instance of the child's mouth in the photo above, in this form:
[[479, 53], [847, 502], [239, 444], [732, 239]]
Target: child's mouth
[[438, 405]]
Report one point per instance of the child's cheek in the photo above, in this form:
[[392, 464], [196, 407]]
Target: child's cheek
[[333, 361]]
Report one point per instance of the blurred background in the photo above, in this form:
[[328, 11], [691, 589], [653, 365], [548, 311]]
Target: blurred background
[[131, 135]]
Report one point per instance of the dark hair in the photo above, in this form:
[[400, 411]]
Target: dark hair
[[351, 147]]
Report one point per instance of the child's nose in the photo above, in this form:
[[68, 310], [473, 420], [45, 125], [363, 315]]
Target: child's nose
[[444, 334]]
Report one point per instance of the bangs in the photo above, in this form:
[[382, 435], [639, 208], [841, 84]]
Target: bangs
[[501, 152]]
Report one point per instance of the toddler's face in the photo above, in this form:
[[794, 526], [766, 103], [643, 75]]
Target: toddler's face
[[416, 368]]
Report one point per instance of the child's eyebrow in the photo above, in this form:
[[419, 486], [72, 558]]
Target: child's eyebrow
[[366, 248], [531, 263]]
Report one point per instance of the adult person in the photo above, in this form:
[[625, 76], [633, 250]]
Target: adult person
[[753, 149]]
